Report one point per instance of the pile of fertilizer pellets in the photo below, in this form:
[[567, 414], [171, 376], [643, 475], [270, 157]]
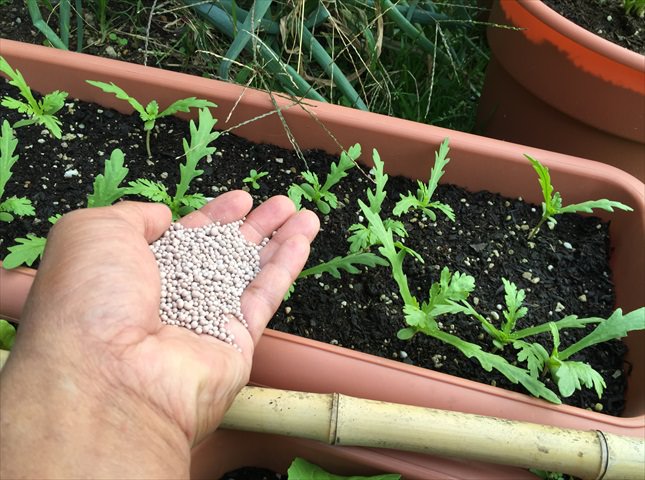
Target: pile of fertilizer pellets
[[203, 274]]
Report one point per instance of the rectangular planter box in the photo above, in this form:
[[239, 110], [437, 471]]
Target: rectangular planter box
[[477, 163]]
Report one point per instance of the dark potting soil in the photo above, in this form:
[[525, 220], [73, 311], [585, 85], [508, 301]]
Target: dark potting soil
[[606, 18], [253, 473], [564, 271]]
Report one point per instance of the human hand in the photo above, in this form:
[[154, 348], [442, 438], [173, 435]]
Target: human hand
[[91, 342]]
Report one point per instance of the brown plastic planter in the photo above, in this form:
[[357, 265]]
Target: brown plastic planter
[[228, 450], [557, 86], [290, 362]]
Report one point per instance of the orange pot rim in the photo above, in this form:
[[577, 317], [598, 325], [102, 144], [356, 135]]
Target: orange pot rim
[[591, 52]]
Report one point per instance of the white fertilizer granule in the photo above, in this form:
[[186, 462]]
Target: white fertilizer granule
[[203, 274]]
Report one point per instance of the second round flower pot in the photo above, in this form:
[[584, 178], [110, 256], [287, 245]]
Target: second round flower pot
[[554, 85]]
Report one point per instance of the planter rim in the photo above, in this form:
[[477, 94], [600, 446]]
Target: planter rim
[[581, 35], [349, 116]]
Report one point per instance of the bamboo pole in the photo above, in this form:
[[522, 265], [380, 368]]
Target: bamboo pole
[[343, 420]]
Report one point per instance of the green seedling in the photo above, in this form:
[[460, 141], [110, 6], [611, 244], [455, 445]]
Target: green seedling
[[634, 7], [303, 470], [14, 205], [38, 112], [106, 190], [120, 41], [181, 203], [347, 263], [27, 250], [7, 335], [362, 237], [422, 317], [571, 375], [107, 186], [319, 194], [422, 200], [552, 204], [253, 178], [150, 114], [514, 311]]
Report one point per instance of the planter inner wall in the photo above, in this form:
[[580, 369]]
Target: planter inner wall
[[476, 163]]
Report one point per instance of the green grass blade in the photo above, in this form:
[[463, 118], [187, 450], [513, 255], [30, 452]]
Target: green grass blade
[[79, 25], [64, 16], [38, 22], [243, 36]]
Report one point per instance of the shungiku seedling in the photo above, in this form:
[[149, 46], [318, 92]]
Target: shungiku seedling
[[203, 274]]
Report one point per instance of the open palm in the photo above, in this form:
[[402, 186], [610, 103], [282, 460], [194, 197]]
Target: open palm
[[95, 303]]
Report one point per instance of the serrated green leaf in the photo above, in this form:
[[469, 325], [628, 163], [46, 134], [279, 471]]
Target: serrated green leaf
[[53, 102], [194, 201], [359, 239], [347, 263], [120, 94], [154, 191], [6, 217], [302, 470], [152, 113], [544, 178], [571, 376], [295, 193], [615, 327], [488, 361], [418, 318], [424, 193], [338, 171], [533, 354], [107, 189], [8, 144], [375, 198], [201, 136], [514, 299], [17, 105], [54, 218], [19, 206], [17, 80], [52, 124], [588, 206], [405, 203], [184, 105], [440, 161], [7, 335], [25, 252]]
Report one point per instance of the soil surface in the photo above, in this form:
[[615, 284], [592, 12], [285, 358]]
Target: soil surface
[[564, 271], [606, 18]]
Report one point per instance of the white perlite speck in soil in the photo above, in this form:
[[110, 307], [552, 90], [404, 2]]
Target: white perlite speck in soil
[[203, 274]]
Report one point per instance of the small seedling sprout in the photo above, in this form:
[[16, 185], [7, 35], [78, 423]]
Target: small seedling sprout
[[362, 237], [253, 178], [40, 112], [319, 194], [422, 200], [552, 204], [150, 114], [181, 203]]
